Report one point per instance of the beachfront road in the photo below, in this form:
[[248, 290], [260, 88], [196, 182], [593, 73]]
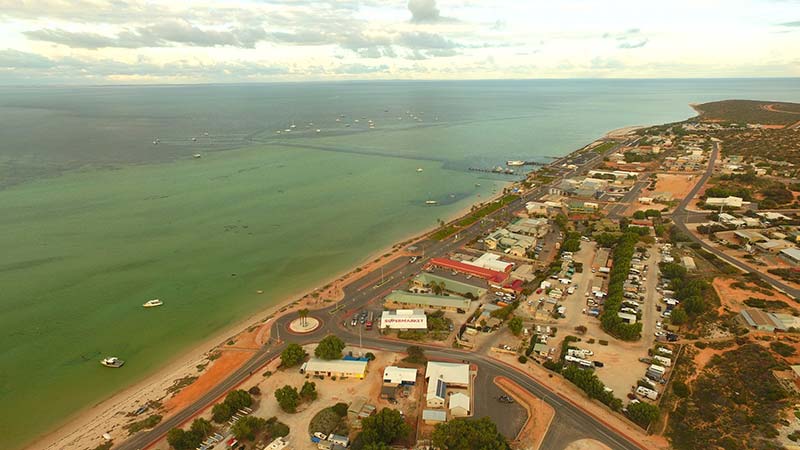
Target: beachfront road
[[570, 422], [680, 216]]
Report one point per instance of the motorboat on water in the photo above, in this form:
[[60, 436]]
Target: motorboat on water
[[197, 156], [153, 303], [515, 162], [112, 361], [419, 169], [431, 202]]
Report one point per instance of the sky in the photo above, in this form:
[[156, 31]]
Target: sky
[[204, 41]]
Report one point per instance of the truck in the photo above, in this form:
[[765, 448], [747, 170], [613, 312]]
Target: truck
[[648, 393], [664, 351]]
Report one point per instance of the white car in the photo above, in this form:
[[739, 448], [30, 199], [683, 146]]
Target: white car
[[659, 324], [660, 334]]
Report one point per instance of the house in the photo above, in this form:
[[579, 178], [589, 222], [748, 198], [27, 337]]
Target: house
[[459, 405], [437, 390], [646, 200], [726, 202], [773, 246], [790, 255], [530, 227], [540, 349], [404, 319], [411, 300], [749, 237], [688, 262], [730, 220], [504, 240], [432, 416], [399, 376], [536, 208], [339, 368], [439, 376], [760, 320]]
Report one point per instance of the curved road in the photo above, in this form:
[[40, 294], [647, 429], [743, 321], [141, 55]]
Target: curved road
[[570, 422], [681, 214]]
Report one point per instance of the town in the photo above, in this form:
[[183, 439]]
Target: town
[[619, 282]]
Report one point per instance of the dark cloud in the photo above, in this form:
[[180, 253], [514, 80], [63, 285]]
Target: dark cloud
[[13, 59], [164, 34], [424, 11]]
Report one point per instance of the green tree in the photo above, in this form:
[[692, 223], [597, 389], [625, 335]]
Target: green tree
[[386, 426], [643, 413], [463, 434], [303, 313], [202, 427], [292, 355], [246, 428], [287, 398], [678, 317], [515, 325], [330, 347], [309, 391], [415, 355], [221, 412], [239, 399]]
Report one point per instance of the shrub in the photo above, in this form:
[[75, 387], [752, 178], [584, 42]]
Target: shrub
[[340, 409], [287, 398], [522, 359], [782, 348], [255, 390]]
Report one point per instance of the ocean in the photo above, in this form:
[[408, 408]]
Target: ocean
[[96, 219]]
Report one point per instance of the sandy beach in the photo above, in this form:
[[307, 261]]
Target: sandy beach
[[182, 380]]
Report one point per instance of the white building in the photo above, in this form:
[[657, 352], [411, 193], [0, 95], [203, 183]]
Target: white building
[[490, 261], [791, 255], [439, 376], [399, 376], [459, 405], [336, 368], [728, 202], [404, 319]]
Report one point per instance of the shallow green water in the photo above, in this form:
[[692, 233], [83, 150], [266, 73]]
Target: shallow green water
[[95, 219]]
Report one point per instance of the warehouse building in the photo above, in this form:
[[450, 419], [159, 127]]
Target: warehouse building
[[473, 287], [491, 276], [760, 320], [790, 255]]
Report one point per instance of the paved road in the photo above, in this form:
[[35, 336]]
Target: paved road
[[618, 210], [570, 422], [680, 215]]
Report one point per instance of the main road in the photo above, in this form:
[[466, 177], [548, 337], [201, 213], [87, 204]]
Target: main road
[[570, 422], [680, 216]]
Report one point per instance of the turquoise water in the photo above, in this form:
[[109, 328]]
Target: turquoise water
[[95, 219]]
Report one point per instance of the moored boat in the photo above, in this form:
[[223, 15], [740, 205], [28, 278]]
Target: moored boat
[[153, 303], [112, 361]]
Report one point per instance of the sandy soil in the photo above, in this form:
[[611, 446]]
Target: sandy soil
[[587, 444], [732, 299], [540, 414], [700, 360]]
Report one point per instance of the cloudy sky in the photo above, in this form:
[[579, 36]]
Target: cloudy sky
[[186, 41]]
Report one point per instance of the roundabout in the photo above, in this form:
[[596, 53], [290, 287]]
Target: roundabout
[[304, 325]]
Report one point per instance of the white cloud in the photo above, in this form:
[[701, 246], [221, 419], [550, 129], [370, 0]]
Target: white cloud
[[91, 41]]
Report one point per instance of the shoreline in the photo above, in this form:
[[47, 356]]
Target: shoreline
[[176, 368]]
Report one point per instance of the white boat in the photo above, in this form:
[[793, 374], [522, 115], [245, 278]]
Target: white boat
[[112, 361], [419, 169], [515, 162], [153, 303], [431, 202], [197, 156], [318, 130]]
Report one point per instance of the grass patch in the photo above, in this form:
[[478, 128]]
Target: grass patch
[[143, 424], [473, 217]]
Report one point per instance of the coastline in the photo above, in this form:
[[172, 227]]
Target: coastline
[[75, 427]]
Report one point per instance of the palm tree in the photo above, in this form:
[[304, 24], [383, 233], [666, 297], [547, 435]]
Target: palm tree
[[303, 314]]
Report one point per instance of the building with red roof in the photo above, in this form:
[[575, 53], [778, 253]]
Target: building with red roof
[[487, 274]]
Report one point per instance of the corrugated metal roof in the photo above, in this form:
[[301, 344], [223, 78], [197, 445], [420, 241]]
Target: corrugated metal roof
[[438, 301], [434, 415]]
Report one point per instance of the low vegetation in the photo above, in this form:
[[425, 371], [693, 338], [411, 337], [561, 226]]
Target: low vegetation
[[330, 420], [249, 427], [143, 424], [792, 275], [735, 403], [415, 355], [476, 215]]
